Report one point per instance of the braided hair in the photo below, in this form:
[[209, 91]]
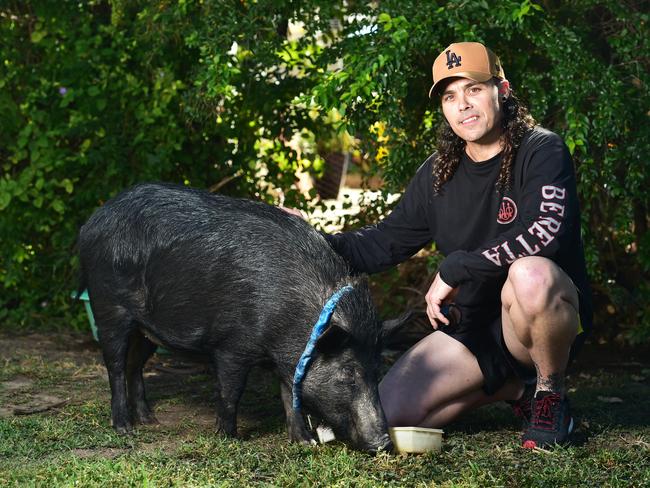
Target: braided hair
[[516, 122]]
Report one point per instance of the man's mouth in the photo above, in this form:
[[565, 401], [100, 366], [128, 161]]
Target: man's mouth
[[469, 120]]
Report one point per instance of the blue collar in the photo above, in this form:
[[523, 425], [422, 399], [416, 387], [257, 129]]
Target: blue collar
[[307, 355]]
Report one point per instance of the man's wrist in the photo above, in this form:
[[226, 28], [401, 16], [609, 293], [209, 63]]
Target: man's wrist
[[447, 271]]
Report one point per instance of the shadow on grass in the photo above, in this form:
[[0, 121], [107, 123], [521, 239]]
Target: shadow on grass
[[188, 385]]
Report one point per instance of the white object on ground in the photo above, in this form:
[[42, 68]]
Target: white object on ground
[[415, 439], [325, 434]]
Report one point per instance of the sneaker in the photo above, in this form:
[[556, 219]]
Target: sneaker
[[522, 408], [550, 422]]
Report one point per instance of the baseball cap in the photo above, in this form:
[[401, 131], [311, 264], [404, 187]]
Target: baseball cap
[[466, 60]]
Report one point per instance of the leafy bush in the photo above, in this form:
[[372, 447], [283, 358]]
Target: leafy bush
[[240, 96]]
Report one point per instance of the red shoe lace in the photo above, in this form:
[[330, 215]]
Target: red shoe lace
[[543, 415]]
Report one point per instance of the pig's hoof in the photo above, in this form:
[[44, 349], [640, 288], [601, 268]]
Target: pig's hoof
[[147, 418], [225, 432], [126, 429], [304, 439], [307, 442]]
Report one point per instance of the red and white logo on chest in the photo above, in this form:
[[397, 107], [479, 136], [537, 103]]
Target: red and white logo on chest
[[507, 211]]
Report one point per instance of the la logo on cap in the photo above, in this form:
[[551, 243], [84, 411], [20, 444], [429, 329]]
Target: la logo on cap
[[453, 59]]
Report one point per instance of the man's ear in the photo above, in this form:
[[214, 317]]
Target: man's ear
[[388, 327], [504, 89], [332, 339]]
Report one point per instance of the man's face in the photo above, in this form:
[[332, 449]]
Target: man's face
[[473, 110]]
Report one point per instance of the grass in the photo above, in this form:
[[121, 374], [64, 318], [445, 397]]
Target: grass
[[74, 445]]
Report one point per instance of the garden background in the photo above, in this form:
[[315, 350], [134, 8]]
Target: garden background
[[240, 96], [251, 98]]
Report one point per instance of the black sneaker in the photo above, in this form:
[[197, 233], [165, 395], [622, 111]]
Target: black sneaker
[[550, 422], [523, 408]]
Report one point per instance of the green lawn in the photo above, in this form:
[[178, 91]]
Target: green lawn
[[73, 444]]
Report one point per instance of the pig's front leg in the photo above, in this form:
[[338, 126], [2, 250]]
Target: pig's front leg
[[230, 375], [295, 423]]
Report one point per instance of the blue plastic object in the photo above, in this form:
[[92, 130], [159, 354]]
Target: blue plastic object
[[316, 332], [89, 311], [91, 318]]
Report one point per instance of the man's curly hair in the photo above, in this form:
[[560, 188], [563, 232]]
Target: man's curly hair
[[516, 122]]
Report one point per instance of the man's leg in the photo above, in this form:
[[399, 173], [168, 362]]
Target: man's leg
[[540, 322], [540, 318], [434, 382]]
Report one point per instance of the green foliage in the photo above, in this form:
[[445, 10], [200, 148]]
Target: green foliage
[[238, 96]]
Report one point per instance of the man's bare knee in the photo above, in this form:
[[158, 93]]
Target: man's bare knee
[[531, 280], [537, 284]]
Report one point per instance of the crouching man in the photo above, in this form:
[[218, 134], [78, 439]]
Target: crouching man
[[499, 200]]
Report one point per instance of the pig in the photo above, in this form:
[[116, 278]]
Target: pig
[[242, 282]]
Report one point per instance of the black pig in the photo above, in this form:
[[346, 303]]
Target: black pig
[[242, 282]]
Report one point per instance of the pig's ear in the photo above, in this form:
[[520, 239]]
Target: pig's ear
[[332, 339], [388, 327]]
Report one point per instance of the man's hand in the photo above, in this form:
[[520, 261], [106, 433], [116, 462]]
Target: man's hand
[[292, 211], [439, 293]]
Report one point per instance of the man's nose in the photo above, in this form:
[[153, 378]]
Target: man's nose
[[463, 103]]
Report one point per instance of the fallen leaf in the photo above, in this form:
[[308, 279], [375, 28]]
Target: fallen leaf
[[40, 403]]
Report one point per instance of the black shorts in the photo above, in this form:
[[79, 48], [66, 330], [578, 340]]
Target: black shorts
[[485, 341]]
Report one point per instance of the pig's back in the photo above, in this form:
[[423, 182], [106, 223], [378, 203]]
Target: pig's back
[[150, 219], [197, 267]]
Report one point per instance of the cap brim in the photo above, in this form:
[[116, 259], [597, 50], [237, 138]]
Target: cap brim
[[472, 75]]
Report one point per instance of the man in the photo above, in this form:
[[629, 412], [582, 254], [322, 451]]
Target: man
[[499, 200]]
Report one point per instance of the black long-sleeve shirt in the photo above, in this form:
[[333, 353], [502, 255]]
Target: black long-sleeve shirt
[[479, 230]]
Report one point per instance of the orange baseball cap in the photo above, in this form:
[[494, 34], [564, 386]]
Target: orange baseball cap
[[466, 60]]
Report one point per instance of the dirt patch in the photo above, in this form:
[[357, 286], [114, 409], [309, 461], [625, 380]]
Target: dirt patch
[[40, 402], [18, 383], [54, 346], [107, 453], [181, 415], [54, 370]]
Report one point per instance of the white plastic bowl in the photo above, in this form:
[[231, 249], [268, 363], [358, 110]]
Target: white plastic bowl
[[415, 439]]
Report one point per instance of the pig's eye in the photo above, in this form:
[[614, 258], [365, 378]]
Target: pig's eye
[[346, 374]]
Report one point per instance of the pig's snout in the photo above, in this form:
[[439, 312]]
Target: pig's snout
[[383, 444]]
